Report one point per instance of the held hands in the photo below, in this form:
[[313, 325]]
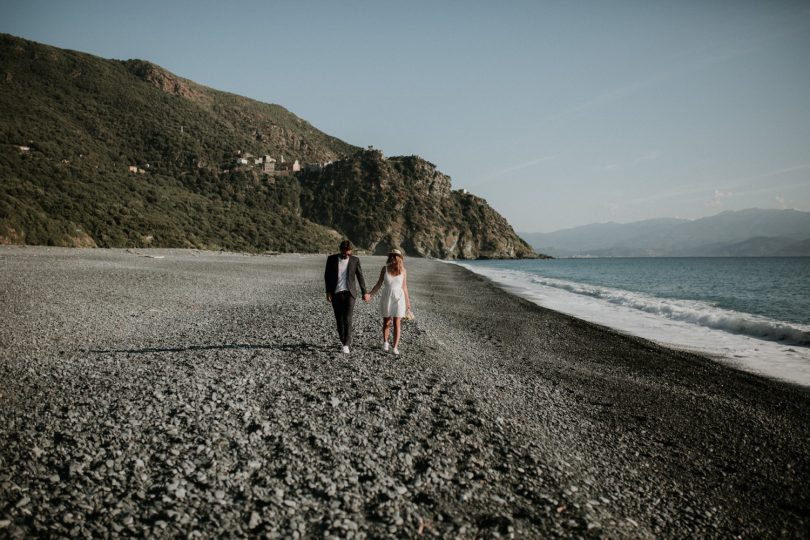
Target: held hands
[[328, 297]]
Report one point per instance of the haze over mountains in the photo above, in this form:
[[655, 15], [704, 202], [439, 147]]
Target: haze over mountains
[[745, 233], [111, 153]]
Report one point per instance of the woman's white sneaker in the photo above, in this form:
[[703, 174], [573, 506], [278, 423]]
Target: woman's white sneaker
[[396, 351], [385, 346]]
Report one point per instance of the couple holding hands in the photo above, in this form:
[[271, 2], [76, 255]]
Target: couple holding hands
[[342, 276]]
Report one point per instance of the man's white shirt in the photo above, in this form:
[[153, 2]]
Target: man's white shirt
[[343, 271]]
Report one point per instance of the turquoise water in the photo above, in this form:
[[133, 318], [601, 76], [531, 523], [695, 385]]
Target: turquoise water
[[773, 287], [762, 298], [751, 313]]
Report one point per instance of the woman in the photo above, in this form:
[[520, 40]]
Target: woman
[[394, 300]]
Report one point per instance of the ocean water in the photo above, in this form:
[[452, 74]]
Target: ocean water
[[752, 313]]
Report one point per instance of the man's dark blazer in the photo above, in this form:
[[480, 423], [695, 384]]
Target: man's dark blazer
[[330, 275]]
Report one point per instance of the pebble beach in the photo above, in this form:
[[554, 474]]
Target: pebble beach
[[166, 393]]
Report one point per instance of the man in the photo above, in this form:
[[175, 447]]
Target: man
[[342, 274]]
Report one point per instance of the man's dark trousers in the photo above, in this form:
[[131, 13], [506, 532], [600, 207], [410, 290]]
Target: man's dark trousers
[[343, 304]]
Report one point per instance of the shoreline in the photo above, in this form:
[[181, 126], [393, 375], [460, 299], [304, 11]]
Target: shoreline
[[786, 362], [210, 384]]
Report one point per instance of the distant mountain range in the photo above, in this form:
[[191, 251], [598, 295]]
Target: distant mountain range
[[112, 153], [746, 233]]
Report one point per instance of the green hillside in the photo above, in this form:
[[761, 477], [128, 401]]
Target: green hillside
[[86, 120], [112, 153]]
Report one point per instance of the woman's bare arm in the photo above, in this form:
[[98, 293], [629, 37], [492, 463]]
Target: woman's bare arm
[[405, 288], [379, 283]]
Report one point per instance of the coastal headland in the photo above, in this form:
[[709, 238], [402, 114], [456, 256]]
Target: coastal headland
[[185, 393]]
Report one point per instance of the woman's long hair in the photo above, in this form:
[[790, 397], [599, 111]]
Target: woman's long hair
[[395, 265]]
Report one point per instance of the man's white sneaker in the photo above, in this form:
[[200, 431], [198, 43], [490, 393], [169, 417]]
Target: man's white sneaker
[[345, 349], [396, 351], [385, 346]]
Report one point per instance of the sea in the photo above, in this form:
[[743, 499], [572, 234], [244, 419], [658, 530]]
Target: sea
[[751, 313]]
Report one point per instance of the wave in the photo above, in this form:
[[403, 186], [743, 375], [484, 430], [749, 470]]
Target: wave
[[688, 311]]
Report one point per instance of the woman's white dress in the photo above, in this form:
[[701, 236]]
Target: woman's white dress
[[392, 297]]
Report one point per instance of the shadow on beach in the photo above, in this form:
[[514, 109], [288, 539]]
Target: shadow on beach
[[286, 347]]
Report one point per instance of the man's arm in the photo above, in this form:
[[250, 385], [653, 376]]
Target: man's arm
[[326, 280], [361, 281]]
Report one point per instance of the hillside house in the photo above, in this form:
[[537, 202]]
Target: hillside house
[[288, 166], [269, 165]]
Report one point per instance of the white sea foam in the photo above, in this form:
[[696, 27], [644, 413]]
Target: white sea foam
[[751, 342], [689, 311]]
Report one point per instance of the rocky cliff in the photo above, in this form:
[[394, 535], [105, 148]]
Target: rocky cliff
[[406, 202]]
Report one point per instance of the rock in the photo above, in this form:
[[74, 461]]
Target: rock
[[415, 208]]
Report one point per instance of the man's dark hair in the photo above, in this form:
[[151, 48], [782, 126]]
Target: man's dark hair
[[345, 245]]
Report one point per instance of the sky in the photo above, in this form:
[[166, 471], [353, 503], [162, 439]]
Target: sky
[[558, 113]]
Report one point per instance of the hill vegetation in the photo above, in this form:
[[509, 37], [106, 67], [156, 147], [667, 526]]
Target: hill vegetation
[[73, 124], [112, 153]]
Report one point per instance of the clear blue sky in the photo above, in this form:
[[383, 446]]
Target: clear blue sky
[[558, 113]]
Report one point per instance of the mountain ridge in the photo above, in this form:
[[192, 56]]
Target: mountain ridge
[[749, 232], [124, 153]]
